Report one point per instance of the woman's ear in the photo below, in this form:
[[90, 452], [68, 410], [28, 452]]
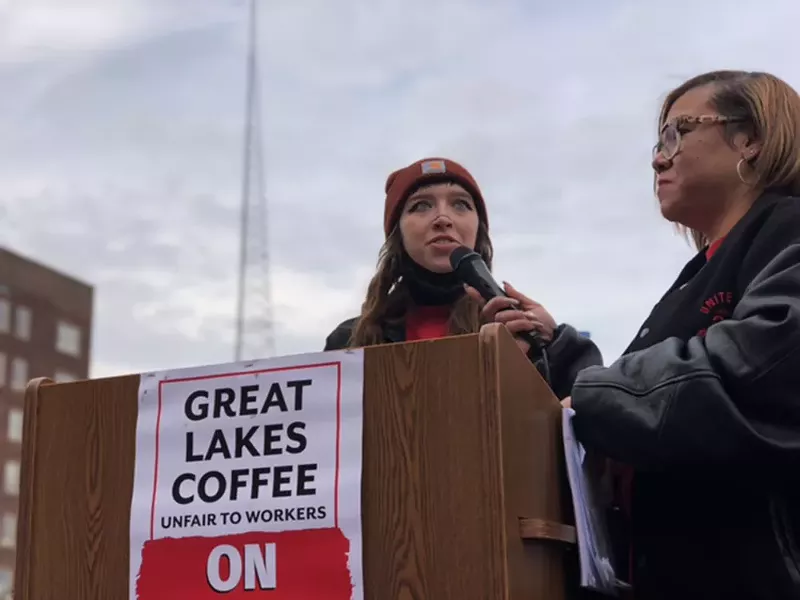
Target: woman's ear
[[749, 149], [751, 152]]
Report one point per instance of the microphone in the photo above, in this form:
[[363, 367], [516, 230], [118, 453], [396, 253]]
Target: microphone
[[471, 269]]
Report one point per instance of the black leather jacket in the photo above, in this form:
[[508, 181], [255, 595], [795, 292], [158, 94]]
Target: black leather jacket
[[705, 406]]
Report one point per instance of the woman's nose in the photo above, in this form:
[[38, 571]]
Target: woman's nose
[[659, 163], [442, 221]]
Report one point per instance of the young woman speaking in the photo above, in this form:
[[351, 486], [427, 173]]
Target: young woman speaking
[[433, 206]]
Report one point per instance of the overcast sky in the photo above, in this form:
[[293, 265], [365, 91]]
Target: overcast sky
[[121, 129]]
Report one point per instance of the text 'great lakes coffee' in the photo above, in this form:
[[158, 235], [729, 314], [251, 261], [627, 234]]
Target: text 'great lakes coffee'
[[248, 480]]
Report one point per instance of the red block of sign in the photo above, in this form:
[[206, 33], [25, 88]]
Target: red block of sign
[[287, 565]]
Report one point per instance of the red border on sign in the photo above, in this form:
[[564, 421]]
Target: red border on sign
[[337, 364]]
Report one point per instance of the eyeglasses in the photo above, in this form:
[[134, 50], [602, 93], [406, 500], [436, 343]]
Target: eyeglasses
[[669, 140]]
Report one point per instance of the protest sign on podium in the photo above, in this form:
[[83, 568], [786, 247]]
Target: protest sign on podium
[[247, 476], [427, 470]]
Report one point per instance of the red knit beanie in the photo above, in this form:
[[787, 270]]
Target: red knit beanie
[[402, 182]]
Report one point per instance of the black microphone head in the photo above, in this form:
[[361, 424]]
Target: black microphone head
[[459, 254], [471, 269]]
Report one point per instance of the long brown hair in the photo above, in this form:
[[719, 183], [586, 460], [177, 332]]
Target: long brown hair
[[769, 109], [388, 297]]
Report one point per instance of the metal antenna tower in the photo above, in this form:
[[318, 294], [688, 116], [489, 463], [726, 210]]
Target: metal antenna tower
[[254, 332]]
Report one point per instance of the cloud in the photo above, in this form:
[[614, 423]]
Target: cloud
[[45, 29], [120, 150]]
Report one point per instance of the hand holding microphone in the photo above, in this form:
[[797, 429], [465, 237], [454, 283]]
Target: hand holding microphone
[[528, 321], [517, 312]]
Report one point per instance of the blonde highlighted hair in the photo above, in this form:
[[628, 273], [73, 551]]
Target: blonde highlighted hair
[[767, 110]]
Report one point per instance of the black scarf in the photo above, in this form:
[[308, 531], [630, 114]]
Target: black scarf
[[428, 288]]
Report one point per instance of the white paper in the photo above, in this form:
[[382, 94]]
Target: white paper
[[596, 570], [286, 434]]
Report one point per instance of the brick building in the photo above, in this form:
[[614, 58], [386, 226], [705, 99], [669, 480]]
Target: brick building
[[45, 330]]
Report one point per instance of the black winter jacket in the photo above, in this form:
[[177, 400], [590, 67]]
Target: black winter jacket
[[705, 406]]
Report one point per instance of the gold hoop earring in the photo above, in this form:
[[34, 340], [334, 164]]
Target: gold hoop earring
[[739, 164]]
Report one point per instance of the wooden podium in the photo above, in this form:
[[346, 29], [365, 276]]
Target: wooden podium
[[463, 485]]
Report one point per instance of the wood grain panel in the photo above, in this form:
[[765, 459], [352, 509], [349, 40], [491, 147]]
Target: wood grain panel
[[431, 490], [460, 443], [77, 480]]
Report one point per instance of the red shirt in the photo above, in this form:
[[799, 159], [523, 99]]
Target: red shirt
[[713, 248], [427, 322]]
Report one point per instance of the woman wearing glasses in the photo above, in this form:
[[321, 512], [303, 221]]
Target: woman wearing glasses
[[701, 415]]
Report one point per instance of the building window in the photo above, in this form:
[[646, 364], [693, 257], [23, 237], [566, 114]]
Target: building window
[[23, 319], [68, 339], [8, 535], [19, 374], [15, 420], [62, 376], [3, 369], [6, 581], [11, 478], [5, 315]]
